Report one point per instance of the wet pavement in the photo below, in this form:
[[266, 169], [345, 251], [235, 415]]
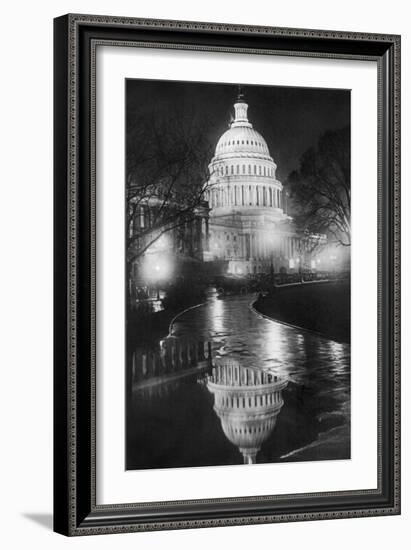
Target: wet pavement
[[229, 386]]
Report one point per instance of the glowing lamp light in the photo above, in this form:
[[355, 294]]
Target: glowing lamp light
[[156, 268]]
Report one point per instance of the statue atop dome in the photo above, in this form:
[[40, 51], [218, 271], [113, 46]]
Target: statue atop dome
[[240, 95]]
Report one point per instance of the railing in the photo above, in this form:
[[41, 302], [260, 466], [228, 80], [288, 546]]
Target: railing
[[171, 360], [266, 282]]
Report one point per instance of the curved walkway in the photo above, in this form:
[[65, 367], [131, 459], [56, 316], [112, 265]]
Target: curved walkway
[[237, 331]]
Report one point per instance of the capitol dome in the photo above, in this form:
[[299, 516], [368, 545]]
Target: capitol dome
[[245, 199], [242, 171], [242, 139], [242, 142]]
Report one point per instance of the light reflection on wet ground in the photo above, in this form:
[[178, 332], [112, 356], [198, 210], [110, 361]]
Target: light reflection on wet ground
[[174, 424]]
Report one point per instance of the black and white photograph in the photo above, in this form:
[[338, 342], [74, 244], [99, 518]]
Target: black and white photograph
[[203, 253], [237, 274]]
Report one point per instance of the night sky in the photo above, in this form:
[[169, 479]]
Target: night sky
[[290, 119]]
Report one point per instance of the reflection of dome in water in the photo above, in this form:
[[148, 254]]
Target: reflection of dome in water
[[247, 401]]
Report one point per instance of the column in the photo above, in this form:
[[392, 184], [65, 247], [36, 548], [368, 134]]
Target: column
[[144, 369], [198, 231], [173, 355], [134, 366], [163, 360], [207, 234]]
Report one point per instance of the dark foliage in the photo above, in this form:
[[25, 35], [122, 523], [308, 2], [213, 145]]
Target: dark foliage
[[320, 190], [167, 166]]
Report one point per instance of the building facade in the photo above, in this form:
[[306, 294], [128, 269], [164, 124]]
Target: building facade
[[172, 249], [249, 226]]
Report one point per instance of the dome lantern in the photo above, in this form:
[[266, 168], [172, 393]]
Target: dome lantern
[[240, 109]]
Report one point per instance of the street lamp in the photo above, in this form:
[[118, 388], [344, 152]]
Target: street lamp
[[156, 269]]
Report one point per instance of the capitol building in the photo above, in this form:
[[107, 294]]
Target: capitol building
[[248, 225]]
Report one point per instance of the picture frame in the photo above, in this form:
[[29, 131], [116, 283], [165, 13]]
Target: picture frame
[[76, 311]]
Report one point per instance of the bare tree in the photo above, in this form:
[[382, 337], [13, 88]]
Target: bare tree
[[167, 167], [320, 190], [310, 245]]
